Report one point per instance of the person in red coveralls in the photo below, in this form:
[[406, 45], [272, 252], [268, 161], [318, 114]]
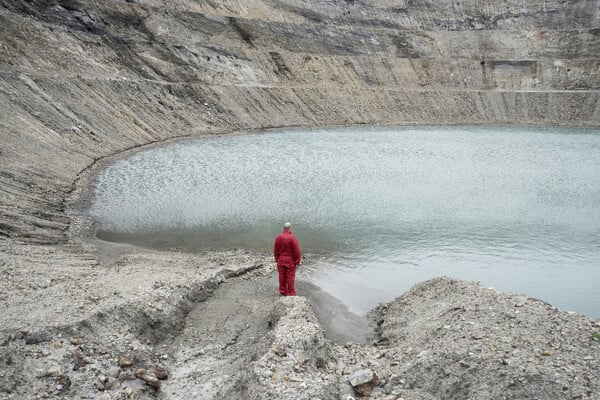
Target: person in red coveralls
[[288, 257]]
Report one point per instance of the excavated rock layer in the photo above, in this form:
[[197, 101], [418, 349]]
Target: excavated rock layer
[[82, 81]]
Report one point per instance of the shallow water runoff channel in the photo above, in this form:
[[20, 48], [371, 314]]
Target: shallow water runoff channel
[[378, 209]]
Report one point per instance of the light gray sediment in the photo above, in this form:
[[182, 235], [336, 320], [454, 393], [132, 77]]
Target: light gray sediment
[[83, 81]]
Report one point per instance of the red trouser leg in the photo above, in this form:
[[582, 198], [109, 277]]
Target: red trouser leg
[[290, 276], [287, 275], [282, 281]]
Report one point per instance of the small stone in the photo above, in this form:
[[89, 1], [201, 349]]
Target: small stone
[[53, 371], [520, 303], [112, 384], [36, 338], [148, 377], [79, 359], [125, 361], [279, 350], [126, 375], [114, 371], [129, 391], [64, 381], [160, 373], [45, 352], [363, 381], [75, 341], [546, 353], [99, 385], [477, 336]]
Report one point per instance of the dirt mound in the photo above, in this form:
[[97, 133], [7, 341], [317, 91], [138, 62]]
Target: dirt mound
[[457, 340]]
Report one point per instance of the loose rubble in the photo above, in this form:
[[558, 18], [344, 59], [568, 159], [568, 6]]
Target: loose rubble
[[442, 339], [362, 381], [455, 339]]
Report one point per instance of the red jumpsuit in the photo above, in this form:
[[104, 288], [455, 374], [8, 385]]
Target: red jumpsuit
[[287, 256]]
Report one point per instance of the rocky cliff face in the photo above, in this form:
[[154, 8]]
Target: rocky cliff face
[[82, 80]]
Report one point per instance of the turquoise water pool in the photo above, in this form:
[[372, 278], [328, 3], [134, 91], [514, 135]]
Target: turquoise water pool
[[377, 209]]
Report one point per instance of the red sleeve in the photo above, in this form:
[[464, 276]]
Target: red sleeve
[[297, 253], [275, 249]]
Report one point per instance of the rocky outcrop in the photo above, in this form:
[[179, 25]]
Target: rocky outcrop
[[457, 340]]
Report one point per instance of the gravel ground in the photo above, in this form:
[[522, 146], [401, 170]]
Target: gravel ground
[[81, 82], [454, 339], [147, 324]]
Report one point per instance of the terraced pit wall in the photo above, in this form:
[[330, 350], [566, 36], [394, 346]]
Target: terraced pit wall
[[82, 80]]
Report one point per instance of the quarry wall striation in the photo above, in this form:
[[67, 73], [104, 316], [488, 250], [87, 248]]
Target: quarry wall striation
[[83, 80]]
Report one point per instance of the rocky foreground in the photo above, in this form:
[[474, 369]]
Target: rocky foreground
[[172, 326]]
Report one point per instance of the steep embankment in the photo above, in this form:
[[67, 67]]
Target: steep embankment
[[81, 81]]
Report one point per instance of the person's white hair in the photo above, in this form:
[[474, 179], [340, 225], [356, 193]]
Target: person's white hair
[[287, 226]]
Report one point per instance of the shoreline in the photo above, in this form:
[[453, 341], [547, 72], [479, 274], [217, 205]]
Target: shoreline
[[81, 306], [152, 240]]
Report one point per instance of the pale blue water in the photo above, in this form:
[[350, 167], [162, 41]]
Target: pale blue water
[[378, 209]]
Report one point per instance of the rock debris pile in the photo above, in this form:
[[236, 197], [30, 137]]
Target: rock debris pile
[[457, 340], [444, 339]]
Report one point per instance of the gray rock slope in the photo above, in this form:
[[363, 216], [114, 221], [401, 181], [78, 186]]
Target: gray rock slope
[[83, 81]]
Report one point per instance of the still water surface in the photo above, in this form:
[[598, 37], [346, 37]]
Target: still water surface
[[377, 209]]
